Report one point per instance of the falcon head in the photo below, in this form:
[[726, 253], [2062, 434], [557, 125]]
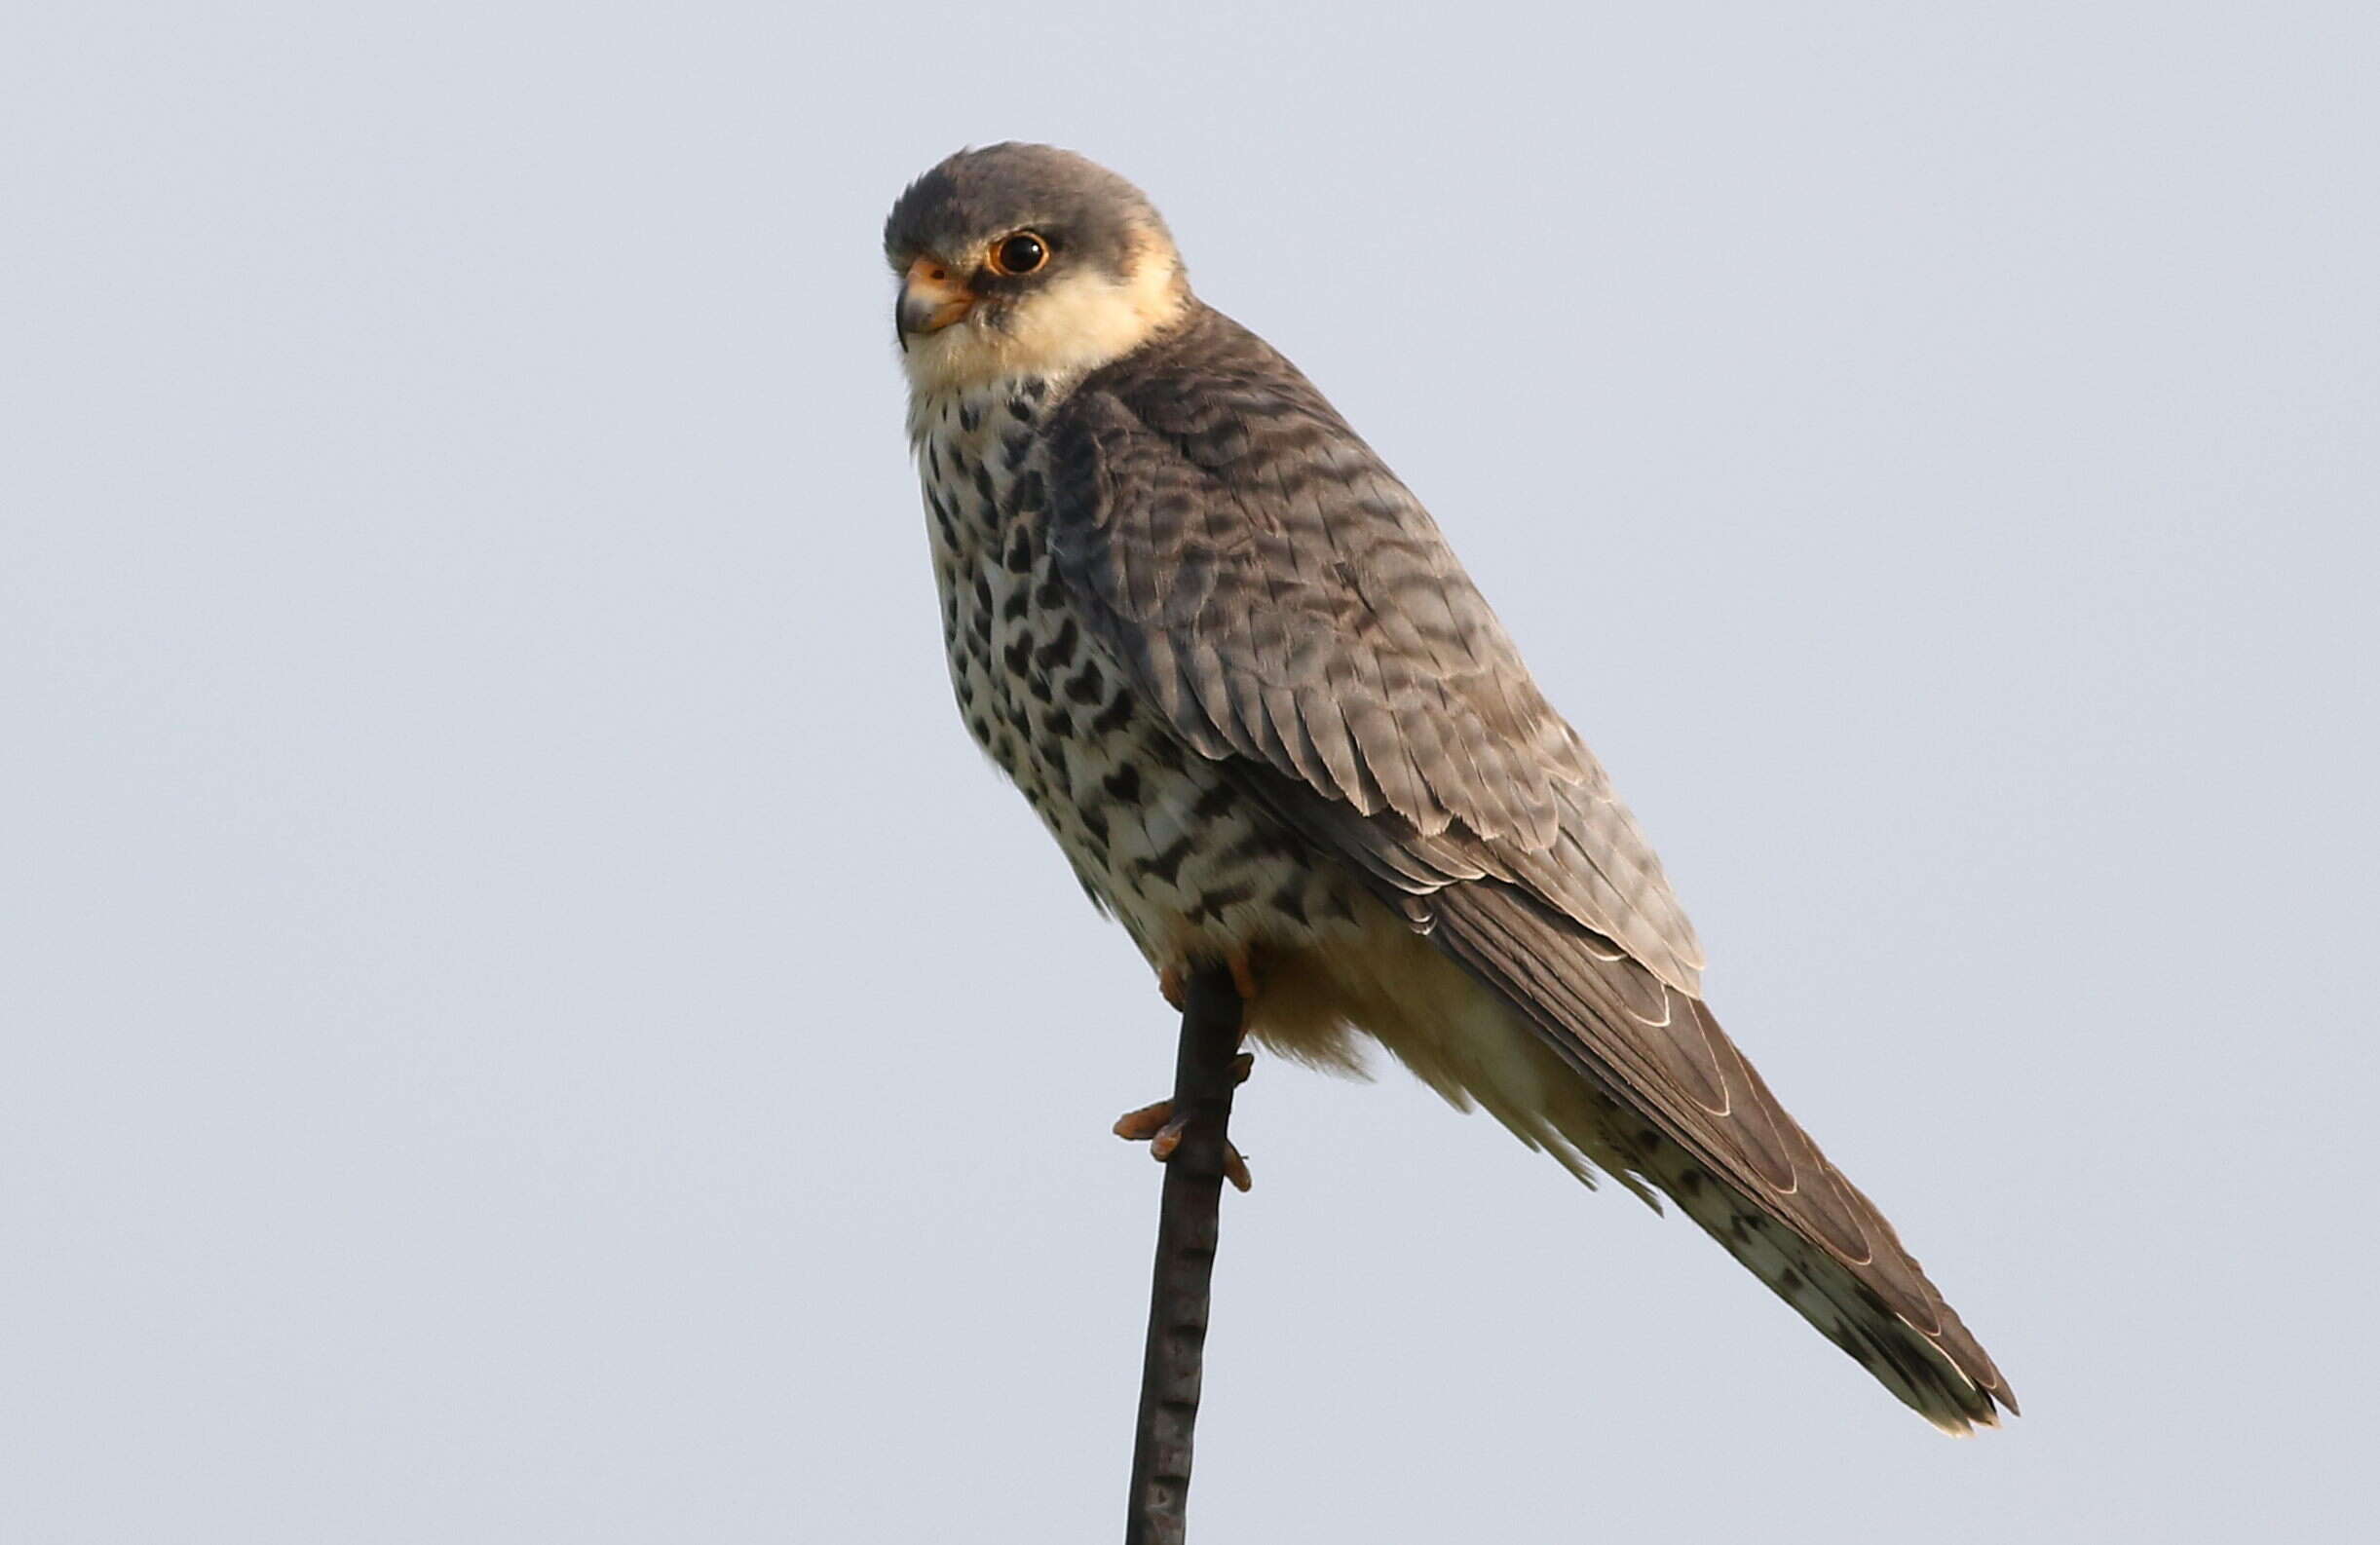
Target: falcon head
[[1027, 261]]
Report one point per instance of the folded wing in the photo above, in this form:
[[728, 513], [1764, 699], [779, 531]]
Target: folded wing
[[1294, 613]]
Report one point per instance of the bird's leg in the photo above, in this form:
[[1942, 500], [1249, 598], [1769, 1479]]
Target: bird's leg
[[1170, 980], [1156, 1124], [1161, 1129]]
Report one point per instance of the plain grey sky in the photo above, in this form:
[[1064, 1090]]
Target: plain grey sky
[[525, 1018]]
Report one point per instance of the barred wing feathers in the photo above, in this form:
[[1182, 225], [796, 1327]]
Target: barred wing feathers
[[1293, 612]]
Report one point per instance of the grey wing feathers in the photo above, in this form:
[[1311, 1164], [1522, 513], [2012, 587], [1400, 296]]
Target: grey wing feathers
[[1293, 612], [1282, 598]]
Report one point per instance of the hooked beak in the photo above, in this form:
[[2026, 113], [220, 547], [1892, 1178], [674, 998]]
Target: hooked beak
[[932, 297]]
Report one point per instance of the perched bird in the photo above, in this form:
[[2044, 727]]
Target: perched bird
[[1238, 672]]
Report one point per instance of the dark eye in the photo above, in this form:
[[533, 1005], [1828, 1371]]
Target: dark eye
[[1020, 253]]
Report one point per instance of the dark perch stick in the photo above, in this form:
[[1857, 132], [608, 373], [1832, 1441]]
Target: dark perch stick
[[1179, 1292]]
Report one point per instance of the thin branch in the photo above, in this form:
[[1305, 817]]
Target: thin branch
[[1180, 1289]]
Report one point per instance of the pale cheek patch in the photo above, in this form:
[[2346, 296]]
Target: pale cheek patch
[[1063, 331]]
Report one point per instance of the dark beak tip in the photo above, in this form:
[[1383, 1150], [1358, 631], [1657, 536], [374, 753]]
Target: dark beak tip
[[914, 315]]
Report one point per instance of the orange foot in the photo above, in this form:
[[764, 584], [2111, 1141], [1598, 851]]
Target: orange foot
[[1158, 1126], [1174, 979]]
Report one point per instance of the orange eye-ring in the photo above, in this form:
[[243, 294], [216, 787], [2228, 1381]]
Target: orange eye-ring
[[1018, 255]]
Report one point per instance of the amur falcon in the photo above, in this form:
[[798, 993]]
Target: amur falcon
[[1234, 666]]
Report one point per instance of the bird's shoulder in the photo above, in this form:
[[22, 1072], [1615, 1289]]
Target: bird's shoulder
[[1213, 394], [1206, 448], [1291, 608]]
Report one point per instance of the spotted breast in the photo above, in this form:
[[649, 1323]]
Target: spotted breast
[[1157, 835]]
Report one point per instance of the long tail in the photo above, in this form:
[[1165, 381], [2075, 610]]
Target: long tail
[[1696, 1118], [1815, 1239], [1830, 1295]]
